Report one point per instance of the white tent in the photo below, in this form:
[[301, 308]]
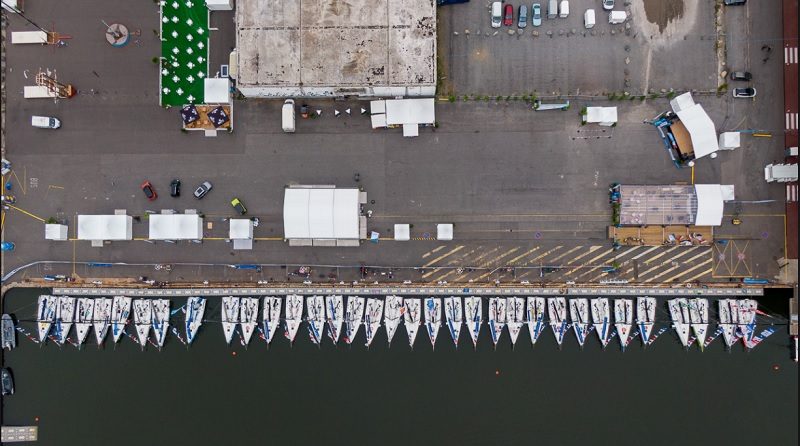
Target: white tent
[[730, 140], [105, 227], [444, 231], [217, 90], [710, 202], [321, 212], [55, 232], [410, 111], [606, 116], [241, 232], [402, 232], [219, 5], [176, 227], [697, 122]]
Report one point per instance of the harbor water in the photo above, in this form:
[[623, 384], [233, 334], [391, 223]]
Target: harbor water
[[212, 393]]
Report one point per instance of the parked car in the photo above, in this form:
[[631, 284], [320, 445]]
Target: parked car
[[497, 14], [175, 188], [239, 206], [522, 19], [741, 76], [508, 15], [608, 5], [202, 190], [7, 382], [734, 2], [149, 191], [536, 14], [45, 122], [7, 246], [748, 92]]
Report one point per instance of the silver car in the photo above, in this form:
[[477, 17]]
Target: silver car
[[608, 5], [522, 22], [202, 190]]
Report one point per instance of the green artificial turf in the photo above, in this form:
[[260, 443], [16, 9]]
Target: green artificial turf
[[184, 51]]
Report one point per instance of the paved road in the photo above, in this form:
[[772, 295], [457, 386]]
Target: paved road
[[511, 179]]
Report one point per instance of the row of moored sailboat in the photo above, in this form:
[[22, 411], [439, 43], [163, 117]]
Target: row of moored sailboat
[[344, 318]]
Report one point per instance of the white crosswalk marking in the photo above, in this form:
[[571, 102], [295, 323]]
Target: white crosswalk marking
[[791, 121], [790, 55]]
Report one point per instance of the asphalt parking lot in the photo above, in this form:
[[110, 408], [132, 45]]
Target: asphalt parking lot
[[524, 188]]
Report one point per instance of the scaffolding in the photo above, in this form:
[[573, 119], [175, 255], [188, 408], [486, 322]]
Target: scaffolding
[[48, 80]]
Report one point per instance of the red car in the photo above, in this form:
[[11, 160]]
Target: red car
[[149, 191], [508, 15]]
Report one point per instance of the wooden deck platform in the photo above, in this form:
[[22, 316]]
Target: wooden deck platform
[[660, 235]]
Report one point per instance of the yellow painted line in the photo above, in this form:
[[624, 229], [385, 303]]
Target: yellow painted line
[[448, 253], [590, 262], [546, 253], [435, 250], [561, 256], [658, 256], [663, 273], [26, 212], [616, 259], [704, 273], [271, 239], [51, 186], [591, 250], [483, 264], [20, 183], [699, 265], [692, 174], [525, 254], [645, 253], [453, 262], [74, 245], [2, 221]]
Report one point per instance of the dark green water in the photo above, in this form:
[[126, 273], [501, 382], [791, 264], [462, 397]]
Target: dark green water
[[340, 395]]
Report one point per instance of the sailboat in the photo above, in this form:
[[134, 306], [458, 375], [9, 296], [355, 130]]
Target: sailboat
[[230, 316], [195, 309], [579, 314], [294, 316], [497, 318], [557, 313], [411, 318], [248, 317], [160, 320], [65, 316], [536, 310], [728, 320], [120, 313], [473, 315], [623, 320], [646, 317], [454, 314], [101, 317], [353, 318], [46, 315], [334, 306], [142, 318], [393, 314], [698, 316], [272, 317], [372, 318], [433, 317], [83, 318], [315, 309], [747, 320], [681, 324], [515, 317], [601, 317]]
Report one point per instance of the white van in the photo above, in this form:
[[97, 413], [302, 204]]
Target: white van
[[563, 10], [45, 122], [617, 17], [552, 9], [288, 116], [497, 14], [39, 37], [588, 19]]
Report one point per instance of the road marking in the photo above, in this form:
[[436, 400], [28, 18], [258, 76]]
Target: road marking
[[452, 251], [26, 212], [525, 254], [646, 252], [590, 262], [591, 250], [559, 257], [546, 253], [667, 251], [435, 250], [704, 273], [667, 271], [490, 262], [675, 277]]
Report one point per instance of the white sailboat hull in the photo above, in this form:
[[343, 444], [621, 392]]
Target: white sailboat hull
[[294, 316], [195, 309], [372, 319], [646, 317], [601, 318], [393, 315], [83, 318], [248, 317], [473, 316], [454, 314], [557, 312], [120, 313], [623, 318], [535, 313], [271, 319], [411, 319], [230, 316], [316, 318], [579, 314]]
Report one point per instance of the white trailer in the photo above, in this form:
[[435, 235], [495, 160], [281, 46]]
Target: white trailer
[[38, 92], [22, 37], [780, 173], [617, 17]]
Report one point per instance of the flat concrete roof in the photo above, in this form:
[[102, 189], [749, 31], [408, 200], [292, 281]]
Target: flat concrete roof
[[336, 43]]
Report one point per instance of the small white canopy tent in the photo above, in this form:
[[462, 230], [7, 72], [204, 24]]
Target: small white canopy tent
[[321, 213], [444, 231], [402, 232], [217, 90], [55, 232], [241, 232], [701, 128], [606, 116], [710, 203], [105, 227], [176, 227], [408, 113]]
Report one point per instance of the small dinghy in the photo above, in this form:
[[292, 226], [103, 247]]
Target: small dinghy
[[679, 313], [473, 315], [294, 316], [747, 320], [248, 317], [372, 318], [315, 309], [728, 320], [497, 318], [353, 318], [535, 310], [46, 315], [579, 314], [515, 317], [454, 314], [142, 319], [646, 317], [393, 314], [601, 317], [557, 313], [120, 313], [230, 316], [623, 320], [698, 316], [433, 317], [411, 318], [195, 309], [160, 320], [65, 317], [83, 318], [271, 319], [334, 307], [101, 317]]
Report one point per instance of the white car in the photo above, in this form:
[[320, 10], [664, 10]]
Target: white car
[[497, 14], [608, 5], [45, 122], [748, 92]]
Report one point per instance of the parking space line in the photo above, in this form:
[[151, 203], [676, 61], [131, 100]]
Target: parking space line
[[546, 253], [683, 273], [666, 262], [651, 259], [591, 250], [673, 268], [434, 251], [704, 273], [525, 254], [11, 206], [559, 257], [452, 251]]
